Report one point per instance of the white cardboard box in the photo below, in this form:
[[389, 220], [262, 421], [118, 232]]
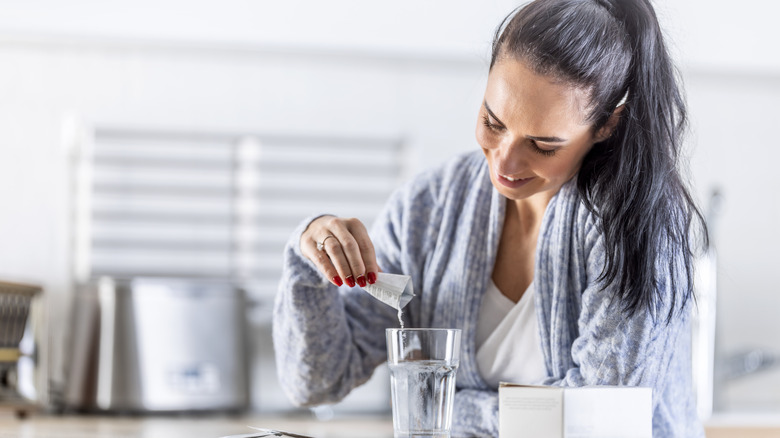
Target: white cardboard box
[[586, 412]]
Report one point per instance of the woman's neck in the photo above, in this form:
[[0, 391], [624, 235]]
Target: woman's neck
[[528, 212]]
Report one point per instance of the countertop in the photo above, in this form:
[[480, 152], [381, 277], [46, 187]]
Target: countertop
[[214, 426], [206, 426]]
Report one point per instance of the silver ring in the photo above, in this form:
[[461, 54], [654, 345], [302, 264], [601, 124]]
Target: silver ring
[[321, 245]]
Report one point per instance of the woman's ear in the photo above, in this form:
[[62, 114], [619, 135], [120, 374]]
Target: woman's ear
[[606, 131]]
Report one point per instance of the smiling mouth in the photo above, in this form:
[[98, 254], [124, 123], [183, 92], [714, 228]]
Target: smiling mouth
[[509, 178], [512, 182]]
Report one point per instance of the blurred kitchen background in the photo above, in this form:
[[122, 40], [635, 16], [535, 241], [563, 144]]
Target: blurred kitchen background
[[156, 155]]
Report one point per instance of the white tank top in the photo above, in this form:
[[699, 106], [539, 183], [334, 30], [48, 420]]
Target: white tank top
[[508, 343]]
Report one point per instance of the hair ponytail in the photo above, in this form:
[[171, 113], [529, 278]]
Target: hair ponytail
[[630, 180]]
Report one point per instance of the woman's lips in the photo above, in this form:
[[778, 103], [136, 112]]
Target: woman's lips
[[512, 182]]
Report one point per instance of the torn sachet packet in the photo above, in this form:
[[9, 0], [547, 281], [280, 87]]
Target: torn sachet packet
[[392, 289]]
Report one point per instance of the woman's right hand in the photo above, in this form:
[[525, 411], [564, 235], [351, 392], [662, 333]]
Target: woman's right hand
[[341, 249]]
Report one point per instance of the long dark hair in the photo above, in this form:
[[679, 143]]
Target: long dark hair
[[631, 181]]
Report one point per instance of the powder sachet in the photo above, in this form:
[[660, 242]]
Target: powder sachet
[[392, 289]]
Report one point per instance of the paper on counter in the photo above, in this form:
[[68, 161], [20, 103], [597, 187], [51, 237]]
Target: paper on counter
[[392, 289]]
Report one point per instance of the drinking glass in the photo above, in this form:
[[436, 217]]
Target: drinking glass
[[423, 363]]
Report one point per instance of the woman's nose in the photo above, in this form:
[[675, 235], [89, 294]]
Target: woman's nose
[[512, 150]]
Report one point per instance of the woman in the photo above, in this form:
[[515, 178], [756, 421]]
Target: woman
[[575, 210]]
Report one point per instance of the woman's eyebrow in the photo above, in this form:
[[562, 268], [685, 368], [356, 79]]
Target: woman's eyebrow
[[546, 139], [530, 137]]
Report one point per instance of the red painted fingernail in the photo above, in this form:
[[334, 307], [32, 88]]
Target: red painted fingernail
[[350, 281], [371, 278], [337, 281], [361, 281]]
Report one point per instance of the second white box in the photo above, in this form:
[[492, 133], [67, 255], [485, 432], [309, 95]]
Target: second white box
[[584, 412]]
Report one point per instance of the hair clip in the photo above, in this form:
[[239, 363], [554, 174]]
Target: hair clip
[[622, 100]]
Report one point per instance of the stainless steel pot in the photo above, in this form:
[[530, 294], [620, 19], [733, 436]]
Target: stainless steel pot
[[158, 344]]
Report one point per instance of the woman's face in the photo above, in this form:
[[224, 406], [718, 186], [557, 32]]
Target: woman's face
[[532, 131]]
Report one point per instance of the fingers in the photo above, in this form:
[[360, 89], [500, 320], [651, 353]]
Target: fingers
[[321, 260], [365, 251], [346, 251], [335, 250], [346, 257]]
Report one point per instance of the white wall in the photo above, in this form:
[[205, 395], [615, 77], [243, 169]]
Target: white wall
[[728, 56], [429, 28], [736, 151], [410, 69]]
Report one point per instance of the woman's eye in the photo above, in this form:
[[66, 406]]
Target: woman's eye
[[499, 128], [545, 152], [492, 126]]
